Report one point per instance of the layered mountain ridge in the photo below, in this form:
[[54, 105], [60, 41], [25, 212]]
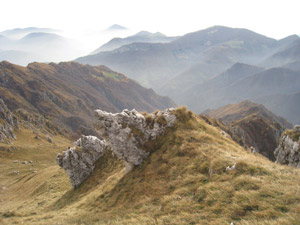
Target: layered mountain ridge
[[221, 46], [203, 70], [70, 92], [142, 36]]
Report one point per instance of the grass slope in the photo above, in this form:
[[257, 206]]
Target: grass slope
[[184, 181]]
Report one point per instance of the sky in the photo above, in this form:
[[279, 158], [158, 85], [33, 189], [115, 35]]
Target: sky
[[83, 18]]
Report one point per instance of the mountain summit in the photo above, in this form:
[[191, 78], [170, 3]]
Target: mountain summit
[[116, 27], [143, 36]]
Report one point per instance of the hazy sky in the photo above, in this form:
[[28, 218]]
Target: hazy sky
[[275, 18]]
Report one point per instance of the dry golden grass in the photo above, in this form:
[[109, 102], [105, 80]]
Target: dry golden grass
[[184, 181]]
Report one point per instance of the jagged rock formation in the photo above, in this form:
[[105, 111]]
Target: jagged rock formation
[[126, 132], [288, 150], [79, 161], [8, 122]]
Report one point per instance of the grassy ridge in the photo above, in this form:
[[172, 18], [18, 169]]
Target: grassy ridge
[[184, 181]]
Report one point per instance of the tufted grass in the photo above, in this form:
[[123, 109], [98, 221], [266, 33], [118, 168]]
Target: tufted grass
[[293, 134], [184, 181]]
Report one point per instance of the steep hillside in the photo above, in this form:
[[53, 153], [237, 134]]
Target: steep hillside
[[193, 175], [69, 92], [254, 124], [151, 63], [143, 36]]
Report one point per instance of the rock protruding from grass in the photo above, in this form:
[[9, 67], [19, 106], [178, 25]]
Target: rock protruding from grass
[[288, 150], [79, 161], [128, 131]]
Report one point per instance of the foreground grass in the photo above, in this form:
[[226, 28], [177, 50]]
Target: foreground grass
[[184, 181]]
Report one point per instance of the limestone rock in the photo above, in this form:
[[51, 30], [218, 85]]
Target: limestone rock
[[7, 123], [79, 161], [126, 132], [288, 152], [125, 135]]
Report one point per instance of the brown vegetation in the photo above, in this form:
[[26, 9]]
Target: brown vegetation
[[183, 182]]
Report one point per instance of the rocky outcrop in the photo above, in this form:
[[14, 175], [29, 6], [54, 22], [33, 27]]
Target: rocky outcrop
[[79, 161], [8, 123], [288, 150], [126, 132]]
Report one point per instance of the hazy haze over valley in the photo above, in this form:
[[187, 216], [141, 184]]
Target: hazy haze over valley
[[86, 22]]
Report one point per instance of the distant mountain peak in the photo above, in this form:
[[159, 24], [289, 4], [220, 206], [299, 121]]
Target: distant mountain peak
[[243, 66], [116, 27], [143, 33], [147, 33], [39, 35], [140, 37]]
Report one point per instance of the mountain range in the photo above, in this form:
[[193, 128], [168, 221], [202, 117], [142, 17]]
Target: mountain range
[[149, 63], [213, 67], [142, 36], [270, 87], [70, 92]]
